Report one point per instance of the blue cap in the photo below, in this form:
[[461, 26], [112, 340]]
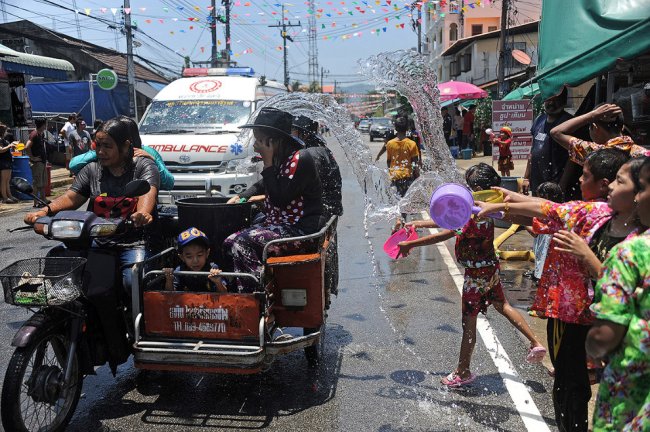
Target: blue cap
[[190, 235]]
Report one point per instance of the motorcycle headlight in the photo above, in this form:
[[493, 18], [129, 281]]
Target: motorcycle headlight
[[66, 229], [102, 230]]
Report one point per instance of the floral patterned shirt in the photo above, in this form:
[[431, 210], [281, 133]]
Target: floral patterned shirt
[[580, 149], [623, 297], [475, 244], [565, 290]]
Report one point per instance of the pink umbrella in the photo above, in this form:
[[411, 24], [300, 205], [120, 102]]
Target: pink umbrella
[[460, 90]]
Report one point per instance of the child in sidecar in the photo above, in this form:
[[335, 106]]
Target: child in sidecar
[[193, 249]]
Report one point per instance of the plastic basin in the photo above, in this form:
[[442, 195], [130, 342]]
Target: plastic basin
[[451, 205], [391, 246]]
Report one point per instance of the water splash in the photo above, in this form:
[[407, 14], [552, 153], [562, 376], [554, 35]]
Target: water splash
[[406, 72], [381, 200]]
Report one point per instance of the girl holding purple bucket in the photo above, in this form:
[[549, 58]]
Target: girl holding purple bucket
[[482, 285]]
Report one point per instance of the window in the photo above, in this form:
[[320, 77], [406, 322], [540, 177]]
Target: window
[[453, 69], [477, 29], [453, 32], [466, 62], [492, 28]]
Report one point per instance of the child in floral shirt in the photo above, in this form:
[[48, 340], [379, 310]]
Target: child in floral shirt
[[622, 328], [482, 286]]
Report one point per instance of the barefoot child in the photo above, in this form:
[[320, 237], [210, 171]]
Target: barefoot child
[[505, 155], [193, 250], [482, 287]]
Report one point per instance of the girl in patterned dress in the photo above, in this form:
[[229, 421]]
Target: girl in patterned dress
[[482, 286], [292, 194], [621, 332]]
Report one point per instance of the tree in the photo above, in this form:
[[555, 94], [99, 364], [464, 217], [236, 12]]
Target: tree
[[313, 87], [295, 86]]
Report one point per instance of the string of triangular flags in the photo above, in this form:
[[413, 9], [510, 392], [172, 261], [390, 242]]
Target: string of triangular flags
[[328, 11]]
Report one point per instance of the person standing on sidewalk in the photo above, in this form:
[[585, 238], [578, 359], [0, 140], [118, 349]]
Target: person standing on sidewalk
[[468, 127], [548, 159], [65, 132], [446, 125], [80, 138], [35, 147], [6, 163]]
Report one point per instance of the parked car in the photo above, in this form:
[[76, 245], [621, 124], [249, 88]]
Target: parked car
[[364, 125], [380, 127]]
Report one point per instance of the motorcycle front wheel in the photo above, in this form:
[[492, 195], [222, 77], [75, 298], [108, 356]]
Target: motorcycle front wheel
[[34, 397]]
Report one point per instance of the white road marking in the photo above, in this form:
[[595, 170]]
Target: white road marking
[[524, 403]]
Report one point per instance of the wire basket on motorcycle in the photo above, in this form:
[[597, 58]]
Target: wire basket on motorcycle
[[50, 281]]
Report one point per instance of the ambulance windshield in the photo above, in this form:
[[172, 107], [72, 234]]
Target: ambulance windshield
[[195, 116]]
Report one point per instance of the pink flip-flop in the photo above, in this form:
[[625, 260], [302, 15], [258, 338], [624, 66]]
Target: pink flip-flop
[[536, 355], [454, 381]]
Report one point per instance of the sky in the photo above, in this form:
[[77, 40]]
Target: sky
[[169, 30]]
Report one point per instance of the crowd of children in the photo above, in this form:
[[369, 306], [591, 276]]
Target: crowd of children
[[588, 318]]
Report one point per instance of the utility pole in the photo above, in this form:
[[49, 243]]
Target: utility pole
[[76, 18], [213, 32], [502, 48], [226, 3], [285, 36], [323, 71], [130, 66], [313, 44]]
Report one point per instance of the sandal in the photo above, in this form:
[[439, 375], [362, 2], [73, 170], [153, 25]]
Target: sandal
[[536, 355], [453, 380]]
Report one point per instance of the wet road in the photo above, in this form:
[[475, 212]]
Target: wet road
[[390, 338]]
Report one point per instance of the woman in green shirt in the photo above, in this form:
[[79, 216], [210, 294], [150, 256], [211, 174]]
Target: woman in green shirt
[[622, 330]]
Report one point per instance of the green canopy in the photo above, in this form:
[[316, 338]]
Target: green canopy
[[525, 92], [579, 39]]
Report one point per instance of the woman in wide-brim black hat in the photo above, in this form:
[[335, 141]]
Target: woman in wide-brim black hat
[[291, 188]]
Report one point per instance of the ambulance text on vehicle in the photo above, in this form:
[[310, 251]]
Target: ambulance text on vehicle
[[194, 124]]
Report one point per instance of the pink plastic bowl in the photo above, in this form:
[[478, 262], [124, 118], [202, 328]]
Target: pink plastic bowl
[[391, 248]]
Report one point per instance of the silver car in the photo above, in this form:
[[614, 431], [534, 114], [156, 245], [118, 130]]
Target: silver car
[[380, 127]]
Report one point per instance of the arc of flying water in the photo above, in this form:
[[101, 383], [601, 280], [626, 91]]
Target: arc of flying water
[[381, 200], [406, 72]]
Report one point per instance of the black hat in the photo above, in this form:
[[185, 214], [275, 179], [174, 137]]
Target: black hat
[[272, 119], [305, 124]]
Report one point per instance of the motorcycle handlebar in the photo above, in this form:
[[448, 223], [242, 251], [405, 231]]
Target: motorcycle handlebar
[[22, 228]]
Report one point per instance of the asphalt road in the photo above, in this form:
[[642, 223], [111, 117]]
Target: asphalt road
[[392, 333]]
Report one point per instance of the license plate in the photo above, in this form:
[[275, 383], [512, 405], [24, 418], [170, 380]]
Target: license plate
[[179, 197]]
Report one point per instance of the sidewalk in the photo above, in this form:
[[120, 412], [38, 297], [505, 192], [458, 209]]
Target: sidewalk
[[60, 181]]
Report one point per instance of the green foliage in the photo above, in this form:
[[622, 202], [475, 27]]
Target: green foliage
[[314, 87], [295, 86], [483, 115]]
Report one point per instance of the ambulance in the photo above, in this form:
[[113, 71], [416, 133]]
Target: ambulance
[[194, 124]]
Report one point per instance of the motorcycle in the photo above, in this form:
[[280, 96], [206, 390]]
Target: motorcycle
[[80, 322], [86, 319]]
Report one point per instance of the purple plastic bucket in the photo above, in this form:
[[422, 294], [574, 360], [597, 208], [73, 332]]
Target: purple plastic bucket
[[451, 205]]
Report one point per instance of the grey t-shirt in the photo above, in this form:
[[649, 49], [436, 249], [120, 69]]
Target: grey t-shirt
[[79, 141], [93, 181]]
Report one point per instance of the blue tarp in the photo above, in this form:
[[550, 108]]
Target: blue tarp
[[74, 96]]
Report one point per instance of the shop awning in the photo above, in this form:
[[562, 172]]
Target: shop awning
[[15, 61], [525, 92], [580, 39]]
